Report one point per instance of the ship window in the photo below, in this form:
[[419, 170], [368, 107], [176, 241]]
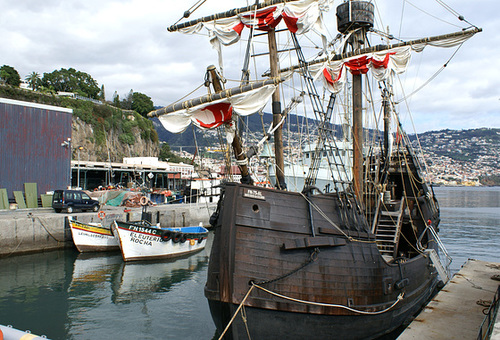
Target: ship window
[[255, 208]]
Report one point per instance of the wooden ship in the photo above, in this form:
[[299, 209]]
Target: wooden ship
[[355, 262]]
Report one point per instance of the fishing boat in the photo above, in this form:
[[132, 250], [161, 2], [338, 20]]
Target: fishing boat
[[89, 237], [9, 332], [143, 241], [354, 262]]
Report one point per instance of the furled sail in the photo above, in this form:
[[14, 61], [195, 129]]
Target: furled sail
[[382, 60], [382, 65], [213, 110], [299, 16]]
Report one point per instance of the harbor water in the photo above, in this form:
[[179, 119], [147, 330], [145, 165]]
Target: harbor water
[[66, 295]]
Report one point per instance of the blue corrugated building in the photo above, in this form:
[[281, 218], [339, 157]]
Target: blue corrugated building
[[35, 146]]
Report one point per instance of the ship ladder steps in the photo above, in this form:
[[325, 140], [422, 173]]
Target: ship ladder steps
[[388, 230], [325, 132], [436, 261]]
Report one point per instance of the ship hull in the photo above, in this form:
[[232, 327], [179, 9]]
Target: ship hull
[[333, 284]]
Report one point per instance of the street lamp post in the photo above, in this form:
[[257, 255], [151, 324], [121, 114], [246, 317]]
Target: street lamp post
[[78, 174], [67, 144]]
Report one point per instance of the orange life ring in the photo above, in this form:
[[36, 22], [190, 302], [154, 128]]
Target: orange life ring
[[101, 214], [143, 200]]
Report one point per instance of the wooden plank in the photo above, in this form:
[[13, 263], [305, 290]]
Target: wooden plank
[[4, 199], [46, 200], [30, 189], [21, 203], [313, 242]]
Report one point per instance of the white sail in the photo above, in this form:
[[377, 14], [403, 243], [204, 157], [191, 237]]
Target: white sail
[[215, 113]]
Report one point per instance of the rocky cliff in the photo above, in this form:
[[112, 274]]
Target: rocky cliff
[[113, 148]]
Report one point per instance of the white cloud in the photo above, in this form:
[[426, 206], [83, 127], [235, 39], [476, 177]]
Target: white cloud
[[125, 45]]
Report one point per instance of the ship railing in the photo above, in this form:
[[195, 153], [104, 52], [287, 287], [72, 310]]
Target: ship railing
[[440, 245], [375, 216], [488, 324]]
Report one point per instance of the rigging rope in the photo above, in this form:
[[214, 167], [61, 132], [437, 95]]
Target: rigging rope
[[191, 10], [432, 77], [452, 11], [431, 15]]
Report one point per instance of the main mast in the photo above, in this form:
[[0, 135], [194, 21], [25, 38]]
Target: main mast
[[276, 107], [356, 17]]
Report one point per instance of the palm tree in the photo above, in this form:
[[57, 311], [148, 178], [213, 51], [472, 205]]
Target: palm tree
[[34, 80]]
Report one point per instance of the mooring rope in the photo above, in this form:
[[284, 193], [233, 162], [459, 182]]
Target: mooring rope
[[254, 285], [237, 311], [400, 297]]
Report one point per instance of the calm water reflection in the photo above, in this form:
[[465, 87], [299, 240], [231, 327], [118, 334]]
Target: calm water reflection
[[66, 295], [470, 223]]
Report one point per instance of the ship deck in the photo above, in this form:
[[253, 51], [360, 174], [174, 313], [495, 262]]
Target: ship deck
[[456, 312]]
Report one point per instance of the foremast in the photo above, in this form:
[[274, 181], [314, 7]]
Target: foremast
[[356, 17], [274, 73]]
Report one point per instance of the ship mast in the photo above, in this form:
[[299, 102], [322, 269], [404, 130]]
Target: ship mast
[[276, 107], [356, 17]]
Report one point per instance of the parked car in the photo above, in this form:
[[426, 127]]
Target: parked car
[[70, 200]]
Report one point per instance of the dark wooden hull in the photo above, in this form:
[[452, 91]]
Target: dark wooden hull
[[264, 236]]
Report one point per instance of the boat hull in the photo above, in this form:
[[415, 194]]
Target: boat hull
[[265, 238], [272, 324], [138, 242], [92, 237]]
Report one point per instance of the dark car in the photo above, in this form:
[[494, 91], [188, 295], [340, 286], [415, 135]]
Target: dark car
[[70, 200]]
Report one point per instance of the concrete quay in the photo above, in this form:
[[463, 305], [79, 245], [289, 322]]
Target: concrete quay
[[35, 230], [457, 311]]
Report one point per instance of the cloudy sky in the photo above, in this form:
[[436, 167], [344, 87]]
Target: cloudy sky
[[124, 45]]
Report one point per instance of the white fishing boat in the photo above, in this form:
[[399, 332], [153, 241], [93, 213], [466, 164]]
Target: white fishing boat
[[142, 241], [89, 237]]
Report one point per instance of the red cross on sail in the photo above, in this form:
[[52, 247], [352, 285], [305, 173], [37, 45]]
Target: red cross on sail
[[213, 116], [382, 64]]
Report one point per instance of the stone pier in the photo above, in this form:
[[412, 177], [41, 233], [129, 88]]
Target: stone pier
[[35, 230]]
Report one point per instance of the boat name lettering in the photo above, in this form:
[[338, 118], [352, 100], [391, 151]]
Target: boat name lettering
[[141, 241], [144, 237], [92, 235], [251, 193], [143, 230]]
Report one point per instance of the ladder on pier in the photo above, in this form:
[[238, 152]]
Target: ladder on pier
[[388, 228], [436, 261]]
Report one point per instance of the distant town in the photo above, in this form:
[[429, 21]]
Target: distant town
[[452, 157], [464, 157]]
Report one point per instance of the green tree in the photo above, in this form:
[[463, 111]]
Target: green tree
[[168, 156], [34, 80], [142, 104], [116, 99], [126, 103], [71, 80], [10, 76], [102, 94]]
